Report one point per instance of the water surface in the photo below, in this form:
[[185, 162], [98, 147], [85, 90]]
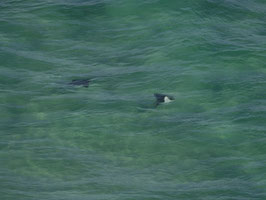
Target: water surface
[[108, 141]]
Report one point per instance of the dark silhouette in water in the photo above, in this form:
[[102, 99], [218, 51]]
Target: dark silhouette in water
[[163, 98], [80, 82]]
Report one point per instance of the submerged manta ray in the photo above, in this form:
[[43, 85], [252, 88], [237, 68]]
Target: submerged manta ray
[[163, 98], [80, 82]]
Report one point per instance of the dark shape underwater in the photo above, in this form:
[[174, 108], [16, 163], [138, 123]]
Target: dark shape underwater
[[163, 98], [80, 82]]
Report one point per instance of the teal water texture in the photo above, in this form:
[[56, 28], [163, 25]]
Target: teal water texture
[[108, 141]]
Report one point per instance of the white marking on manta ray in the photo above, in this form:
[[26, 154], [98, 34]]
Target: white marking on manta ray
[[166, 99]]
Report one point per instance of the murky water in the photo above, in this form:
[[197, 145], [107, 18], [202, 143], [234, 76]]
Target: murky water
[[109, 141]]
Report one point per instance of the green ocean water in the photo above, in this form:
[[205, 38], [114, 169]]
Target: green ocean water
[[108, 141]]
